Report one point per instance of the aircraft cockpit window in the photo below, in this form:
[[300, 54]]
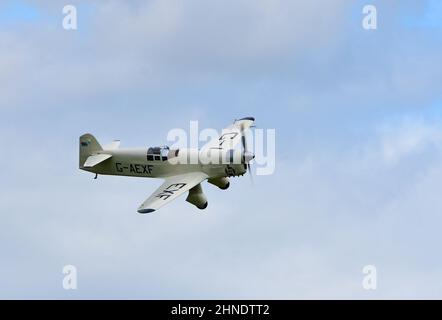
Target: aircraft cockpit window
[[157, 153]]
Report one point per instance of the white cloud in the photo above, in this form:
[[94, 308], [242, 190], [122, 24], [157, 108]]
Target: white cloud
[[411, 138]]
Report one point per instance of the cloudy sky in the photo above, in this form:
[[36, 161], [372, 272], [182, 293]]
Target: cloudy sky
[[358, 120]]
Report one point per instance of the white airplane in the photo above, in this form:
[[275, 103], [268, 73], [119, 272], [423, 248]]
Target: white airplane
[[215, 162]]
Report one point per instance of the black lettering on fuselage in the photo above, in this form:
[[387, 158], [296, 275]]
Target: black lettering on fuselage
[[147, 168], [134, 168]]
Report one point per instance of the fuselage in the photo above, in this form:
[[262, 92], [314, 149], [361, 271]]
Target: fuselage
[[136, 162]]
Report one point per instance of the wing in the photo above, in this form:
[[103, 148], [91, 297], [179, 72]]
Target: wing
[[230, 136], [171, 189]]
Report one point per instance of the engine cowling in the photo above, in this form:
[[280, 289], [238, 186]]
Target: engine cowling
[[222, 183], [197, 197]]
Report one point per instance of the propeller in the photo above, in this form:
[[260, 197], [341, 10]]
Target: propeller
[[247, 156]]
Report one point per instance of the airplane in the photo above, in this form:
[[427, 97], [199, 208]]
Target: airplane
[[216, 162]]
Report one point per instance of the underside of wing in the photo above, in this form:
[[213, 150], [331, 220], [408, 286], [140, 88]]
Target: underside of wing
[[230, 137], [171, 189]]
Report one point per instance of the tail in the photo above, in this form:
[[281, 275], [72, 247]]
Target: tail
[[88, 146]]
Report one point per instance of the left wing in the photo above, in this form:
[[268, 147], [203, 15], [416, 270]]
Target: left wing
[[171, 189]]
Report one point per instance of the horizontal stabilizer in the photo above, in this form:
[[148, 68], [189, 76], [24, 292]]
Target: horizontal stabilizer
[[92, 161]]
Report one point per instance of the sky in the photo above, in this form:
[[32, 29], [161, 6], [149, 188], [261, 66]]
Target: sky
[[358, 121]]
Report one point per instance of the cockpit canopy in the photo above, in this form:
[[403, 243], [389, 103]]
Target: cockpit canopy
[[158, 153]]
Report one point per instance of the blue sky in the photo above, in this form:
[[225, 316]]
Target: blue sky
[[358, 123], [18, 12]]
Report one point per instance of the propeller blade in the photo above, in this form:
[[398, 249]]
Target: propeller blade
[[246, 154], [249, 169], [243, 139]]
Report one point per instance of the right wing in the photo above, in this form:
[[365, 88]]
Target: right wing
[[171, 189], [230, 136]]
